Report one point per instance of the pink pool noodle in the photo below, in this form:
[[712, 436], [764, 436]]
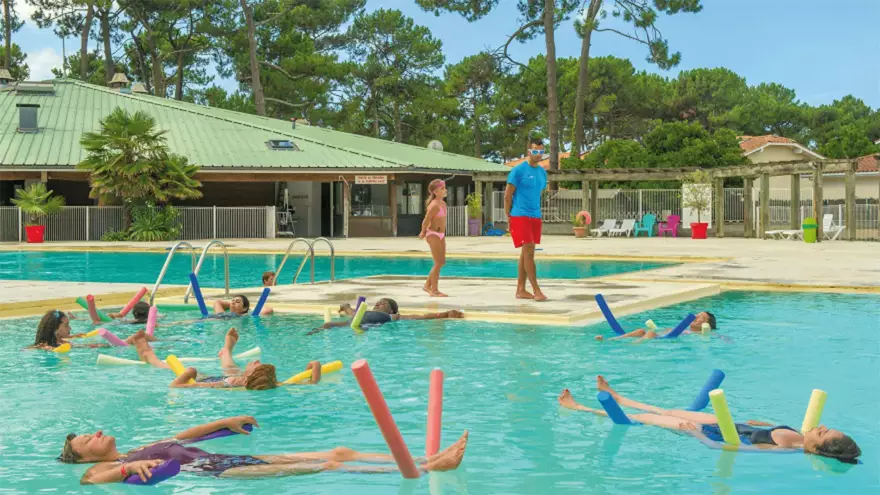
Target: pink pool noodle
[[151, 319], [110, 337], [93, 310], [435, 412], [134, 300], [380, 411]]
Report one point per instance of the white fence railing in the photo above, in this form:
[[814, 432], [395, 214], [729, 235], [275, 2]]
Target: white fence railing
[[559, 206], [456, 221], [90, 223]]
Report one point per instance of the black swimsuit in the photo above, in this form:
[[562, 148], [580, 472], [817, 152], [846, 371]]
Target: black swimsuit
[[375, 318], [749, 435]]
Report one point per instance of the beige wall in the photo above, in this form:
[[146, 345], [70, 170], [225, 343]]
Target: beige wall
[[777, 154]]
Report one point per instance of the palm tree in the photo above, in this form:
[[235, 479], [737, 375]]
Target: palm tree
[[36, 201], [129, 159]]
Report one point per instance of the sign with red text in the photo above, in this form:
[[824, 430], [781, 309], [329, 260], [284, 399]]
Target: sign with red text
[[371, 179]]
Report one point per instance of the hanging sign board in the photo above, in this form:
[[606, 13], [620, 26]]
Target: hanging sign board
[[371, 179]]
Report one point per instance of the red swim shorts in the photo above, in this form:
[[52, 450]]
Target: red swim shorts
[[525, 230]]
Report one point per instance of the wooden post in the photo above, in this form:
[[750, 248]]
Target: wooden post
[[817, 201], [719, 208], [850, 213], [585, 202], [392, 194], [748, 207], [346, 207], [594, 203], [478, 188], [765, 206], [794, 222]]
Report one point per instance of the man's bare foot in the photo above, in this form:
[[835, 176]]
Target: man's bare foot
[[603, 386], [428, 290], [599, 338], [437, 293], [566, 400], [524, 294], [449, 458], [539, 296]]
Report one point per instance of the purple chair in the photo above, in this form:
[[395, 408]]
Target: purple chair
[[671, 225]]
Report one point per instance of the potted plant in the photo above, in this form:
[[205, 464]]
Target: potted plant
[[474, 212], [697, 195], [36, 201], [579, 223]]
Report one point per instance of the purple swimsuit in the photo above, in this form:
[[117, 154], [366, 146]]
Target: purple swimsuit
[[192, 459]]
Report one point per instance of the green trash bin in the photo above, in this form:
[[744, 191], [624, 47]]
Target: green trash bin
[[810, 229]]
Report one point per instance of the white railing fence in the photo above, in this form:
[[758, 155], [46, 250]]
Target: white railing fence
[[456, 221], [90, 223]]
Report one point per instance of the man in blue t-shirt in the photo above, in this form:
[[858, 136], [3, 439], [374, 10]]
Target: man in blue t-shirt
[[522, 203]]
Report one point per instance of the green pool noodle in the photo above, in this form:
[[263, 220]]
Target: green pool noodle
[[82, 302]]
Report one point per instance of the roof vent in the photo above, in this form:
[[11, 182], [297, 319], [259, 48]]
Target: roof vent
[[281, 144], [119, 80], [139, 88], [35, 88], [27, 117], [5, 77]]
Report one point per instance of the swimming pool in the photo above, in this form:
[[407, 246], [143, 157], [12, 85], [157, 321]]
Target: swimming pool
[[501, 384], [246, 269]]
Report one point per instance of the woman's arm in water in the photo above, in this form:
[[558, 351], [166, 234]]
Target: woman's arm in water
[[234, 423], [454, 313], [182, 381], [220, 306], [111, 472]]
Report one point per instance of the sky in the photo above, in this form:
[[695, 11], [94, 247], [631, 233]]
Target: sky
[[823, 50]]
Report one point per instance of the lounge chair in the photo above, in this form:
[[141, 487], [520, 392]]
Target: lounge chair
[[671, 225], [831, 231], [785, 234], [606, 227], [646, 225], [626, 228]]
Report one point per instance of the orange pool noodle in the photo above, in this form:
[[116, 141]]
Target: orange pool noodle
[[380, 411], [435, 413], [134, 300]]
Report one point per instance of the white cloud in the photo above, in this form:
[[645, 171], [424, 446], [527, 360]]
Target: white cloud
[[41, 63], [24, 11]]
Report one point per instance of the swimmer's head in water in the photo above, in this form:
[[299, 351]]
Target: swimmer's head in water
[[268, 279], [53, 328], [94, 447], [239, 304], [831, 443], [260, 377], [386, 305], [704, 317], [140, 311]]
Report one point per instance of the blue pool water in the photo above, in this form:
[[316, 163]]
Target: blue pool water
[[501, 384], [246, 269]]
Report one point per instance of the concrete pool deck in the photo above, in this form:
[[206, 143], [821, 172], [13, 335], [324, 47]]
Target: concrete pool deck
[[732, 264]]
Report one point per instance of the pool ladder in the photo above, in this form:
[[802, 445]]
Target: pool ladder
[[196, 265], [310, 255]]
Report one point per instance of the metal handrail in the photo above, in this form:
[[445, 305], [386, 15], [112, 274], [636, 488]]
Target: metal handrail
[[332, 257], [192, 252], [309, 255], [202, 260]]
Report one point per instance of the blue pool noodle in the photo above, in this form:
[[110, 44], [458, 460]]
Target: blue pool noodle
[[262, 301], [613, 409], [609, 316], [681, 327], [197, 291], [702, 398]]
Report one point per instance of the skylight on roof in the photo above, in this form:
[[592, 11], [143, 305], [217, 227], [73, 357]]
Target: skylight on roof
[[282, 145]]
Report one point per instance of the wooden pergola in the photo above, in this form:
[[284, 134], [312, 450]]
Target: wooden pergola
[[590, 179]]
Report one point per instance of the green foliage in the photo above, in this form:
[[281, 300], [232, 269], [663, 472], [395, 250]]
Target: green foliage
[[697, 193], [617, 153], [577, 220], [474, 202], [128, 158], [679, 144], [18, 69], [845, 129], [36, 201], [114, 236], [151, 223]]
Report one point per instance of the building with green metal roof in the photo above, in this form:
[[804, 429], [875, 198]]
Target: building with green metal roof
[[245, 160]]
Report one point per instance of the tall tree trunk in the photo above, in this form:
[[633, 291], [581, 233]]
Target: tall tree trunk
[[256, 85], [109, 68], [583, 77], [7, 35], [552, 104], [155, 65], [178, 90], [478, 133], [376, 114], [84, 42], [142, 67], [398, 123]]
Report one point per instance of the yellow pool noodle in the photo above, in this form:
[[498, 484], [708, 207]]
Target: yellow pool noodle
[[328, 314], [725, 420], [176, 366], [356, 321], [305, 375], [651, 325], [814, 410], [93, 333], [705, 328], [65, 347]]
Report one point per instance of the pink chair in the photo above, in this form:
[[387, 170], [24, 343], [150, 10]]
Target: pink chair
[[671, 225]]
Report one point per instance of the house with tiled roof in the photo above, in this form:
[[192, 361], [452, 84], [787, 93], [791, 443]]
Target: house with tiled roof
[[771, 148], [333, 179], [545, 163]]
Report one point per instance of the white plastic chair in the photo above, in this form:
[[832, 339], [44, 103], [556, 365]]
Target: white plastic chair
[[626, 228], [606, 227], [831, 231]]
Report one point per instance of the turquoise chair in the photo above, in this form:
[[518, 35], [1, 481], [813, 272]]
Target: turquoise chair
[[646, 225]]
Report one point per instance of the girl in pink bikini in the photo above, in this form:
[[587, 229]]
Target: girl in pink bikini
[[434, 231]]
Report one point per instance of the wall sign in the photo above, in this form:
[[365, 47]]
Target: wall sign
[[371, 179]]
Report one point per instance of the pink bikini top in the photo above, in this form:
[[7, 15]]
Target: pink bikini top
[[442, 212]]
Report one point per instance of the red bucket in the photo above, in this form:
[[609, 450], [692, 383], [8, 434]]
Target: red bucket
[[35, 233]]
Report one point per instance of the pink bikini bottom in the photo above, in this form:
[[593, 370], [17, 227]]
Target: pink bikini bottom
[[430, 232]]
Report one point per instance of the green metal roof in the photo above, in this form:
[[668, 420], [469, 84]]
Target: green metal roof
[[209, 137]]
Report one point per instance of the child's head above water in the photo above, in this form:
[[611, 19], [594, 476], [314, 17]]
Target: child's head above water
[[386, 305], [268, 279], [239, 304], [140, 312]]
